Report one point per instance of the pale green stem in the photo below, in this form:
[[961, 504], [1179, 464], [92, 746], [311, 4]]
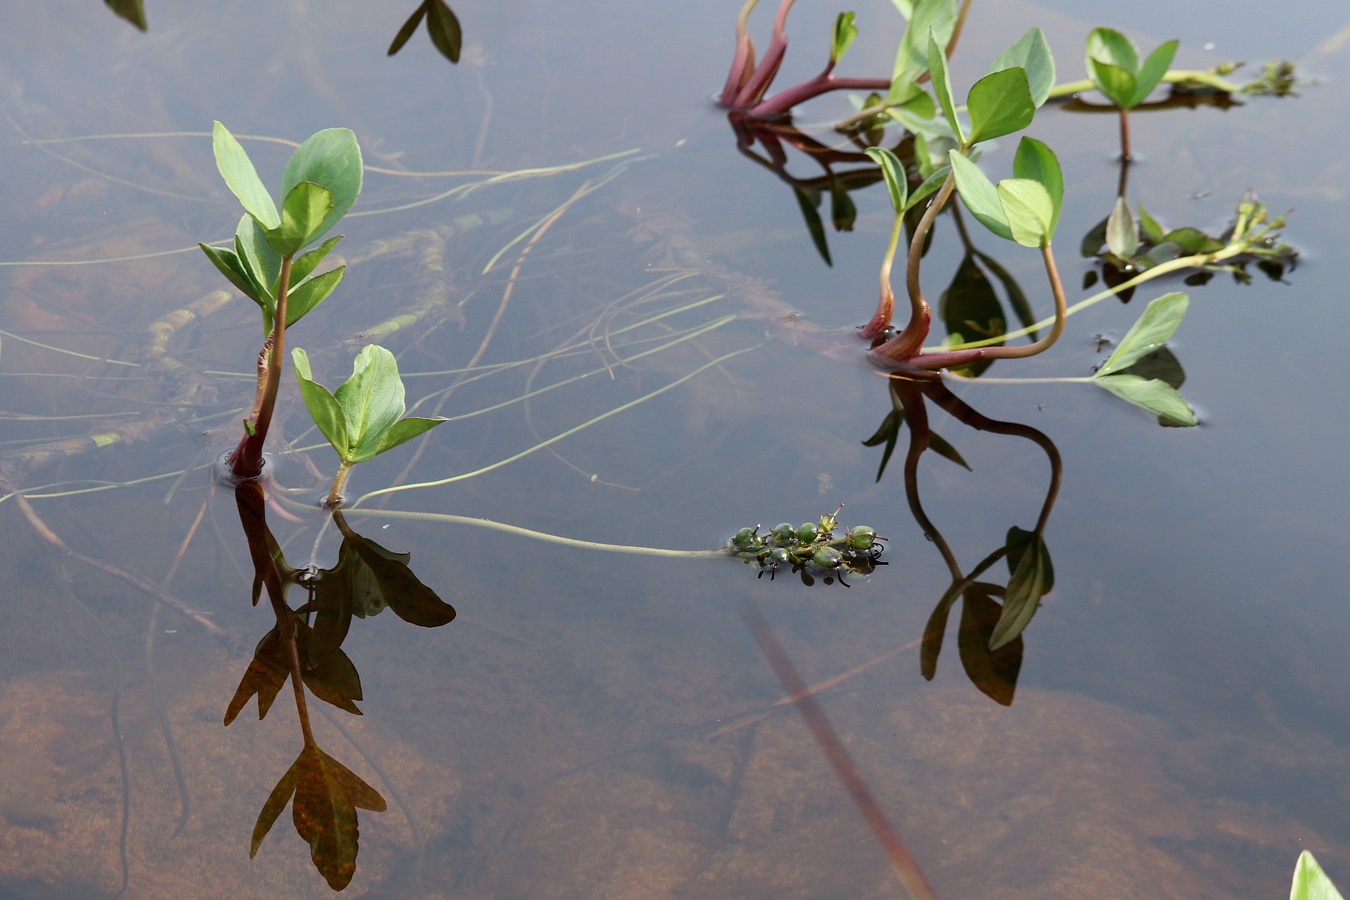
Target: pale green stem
[[517, 531], [1194, 261], [1174, 76]]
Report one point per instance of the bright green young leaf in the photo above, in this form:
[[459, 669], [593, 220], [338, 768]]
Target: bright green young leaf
[[998, 104], [929, 187], [906, 8], [250, 241], [1032, 577], [1152, 395], [241, 178], [935, 17], [1310, 882], [227, 261], [302, 213], [942, 87], [306, 263], [1157, 323], [331, 159], [1113, 48], [310, 293], [1122, 238], [405, 430], [1029, 210], [1152, 71], [372, 400], [894, 173], [1038, 162], [1117, 84], [979, 195], [323, 407], [844, 33], [1031, 53]]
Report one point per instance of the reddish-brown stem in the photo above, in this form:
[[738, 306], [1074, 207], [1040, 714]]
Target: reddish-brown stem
[[782, 102], [1125, 136], [907, 345], [247, 460], [1061, 313]]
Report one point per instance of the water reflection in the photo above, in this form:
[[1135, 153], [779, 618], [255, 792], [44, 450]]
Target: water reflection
[[305, 646]]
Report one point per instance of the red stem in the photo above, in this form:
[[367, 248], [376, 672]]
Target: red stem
[[247, 460]]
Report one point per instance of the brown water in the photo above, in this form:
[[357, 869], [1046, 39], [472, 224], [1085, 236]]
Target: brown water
[[589, 724]]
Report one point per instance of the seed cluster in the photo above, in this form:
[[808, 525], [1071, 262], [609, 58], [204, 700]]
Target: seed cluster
[[810, 550]]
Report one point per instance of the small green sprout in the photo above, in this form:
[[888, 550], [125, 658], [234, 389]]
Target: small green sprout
[[364, 417]]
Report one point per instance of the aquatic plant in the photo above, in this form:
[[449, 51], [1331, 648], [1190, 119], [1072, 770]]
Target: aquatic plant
[[364, 417], [1310, 882], [319, 185], [810, 550]]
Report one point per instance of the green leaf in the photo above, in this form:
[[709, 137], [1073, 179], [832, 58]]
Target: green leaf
[[1310, 882], [844, 33], [1033, 576], [331, 159], [372, 400], [250, 240], [1122, 238], [1113, 48], [1029, 210], [979, 195], [405, 430], [241, 178], [1152, 71], [1038, 162], [928, 17], [227, 261], [323, 407], [409, 27], [929, 186], [311, 293], [942, 88], [307, 262], [1151, 230], [1155, 325], [894, 172], [1117, 84], [444, 30], [1193, 240], [1152, 395], [998, 104], [302, 214], [1031, 53]]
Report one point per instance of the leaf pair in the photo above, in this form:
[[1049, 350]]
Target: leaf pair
[[363, 418], [1112, 62], [318, 187], [1024, 208], [254, 267], [1158, 322], [1003, 101]]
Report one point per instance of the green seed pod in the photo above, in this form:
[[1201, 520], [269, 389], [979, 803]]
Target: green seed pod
[[861, 537], [808, 532], [744, 538], [827, 558], [779, 557], [784, 533]]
